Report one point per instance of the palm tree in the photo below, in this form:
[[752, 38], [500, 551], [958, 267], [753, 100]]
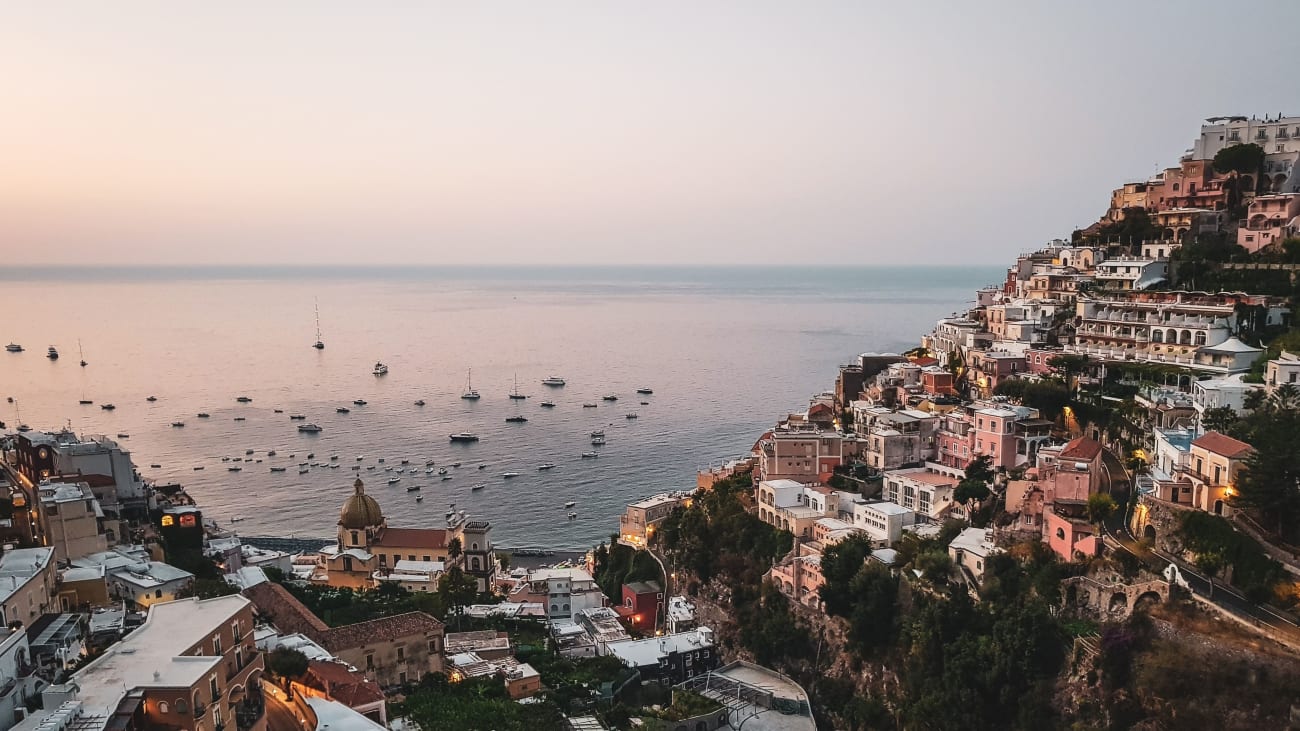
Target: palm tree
[[1286, 397]]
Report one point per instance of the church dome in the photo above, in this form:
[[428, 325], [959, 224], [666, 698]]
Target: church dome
[[361, 510]]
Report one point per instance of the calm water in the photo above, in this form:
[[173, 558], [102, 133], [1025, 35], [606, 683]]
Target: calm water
[[726, 352]]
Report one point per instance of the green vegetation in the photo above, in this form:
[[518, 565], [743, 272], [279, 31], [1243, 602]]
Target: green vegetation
[[618, 564], [285, 662], [1049, 397], [975, 486], [1252, 570], [339, 607], [687, 704], [476, 703], [1244, 159], [1100, 507], [208, 589]]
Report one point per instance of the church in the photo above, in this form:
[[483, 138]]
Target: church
[[369, 551]]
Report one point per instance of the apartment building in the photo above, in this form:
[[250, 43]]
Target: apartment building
[[72, 520], [637, 523], [1270, 220], [803, 453], [882, 520], [1283, 369], [927, 491], [28, 583], [794, 507]]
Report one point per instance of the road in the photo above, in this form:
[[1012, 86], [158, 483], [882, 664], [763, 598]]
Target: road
[[280, 716], [1117, 482]]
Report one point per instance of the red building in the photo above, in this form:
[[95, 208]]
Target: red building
[[642, 602]]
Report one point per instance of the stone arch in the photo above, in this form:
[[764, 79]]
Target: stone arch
[[1157, 335], [1146, 600], [1181, 234], [1218, 507], [1185, 337], [1167, 234], [1118, 603], [1149, 533]]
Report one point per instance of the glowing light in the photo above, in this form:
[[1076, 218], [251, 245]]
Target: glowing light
[[168, 520]]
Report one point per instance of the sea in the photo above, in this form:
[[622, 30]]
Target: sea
[[726, 351]]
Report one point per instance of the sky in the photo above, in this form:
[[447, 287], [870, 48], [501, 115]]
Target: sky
[[611, 133]]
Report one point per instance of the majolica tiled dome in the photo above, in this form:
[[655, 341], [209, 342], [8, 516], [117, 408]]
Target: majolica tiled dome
[[360, 511]]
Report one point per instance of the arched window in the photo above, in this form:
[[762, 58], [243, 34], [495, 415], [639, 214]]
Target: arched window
[[163, 707], [1060, 533], [354, 538], [1157, 336], [1200, 337], [473, 546], [1185, 338], [182, 706], [473, 563], [555, 607]]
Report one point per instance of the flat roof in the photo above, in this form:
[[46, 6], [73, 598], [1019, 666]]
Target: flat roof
[[887, 508], [660, 499], [641, 653], [921, 474], [19, 566]]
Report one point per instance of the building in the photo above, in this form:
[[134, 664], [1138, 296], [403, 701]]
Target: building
[[95, 460], [1227, 392], [1215, 461], [637, 523], [643, 602], [18, 681], [367, 546], [970, 552], [133, 576], [927, 491], [1131, 272], [1277, 134], [800, 578], [805, 453], [57, 641], [27, 585], [882, 520], [563, 591], [487, 644], [896, 439], [1283, 369], [389, 651], [788, 505], [669, 659], [339, 682], [681, 615], [191, 665], [72, 520], [520, 679], [601, 625], [1270, 220]]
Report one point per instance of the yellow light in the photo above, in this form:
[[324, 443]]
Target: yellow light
[[167, 520]]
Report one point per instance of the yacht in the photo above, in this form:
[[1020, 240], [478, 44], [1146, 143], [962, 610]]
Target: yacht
[[204, 415], [319, 344], [311, 455], [553, 381], [508, 475], [406, 461], [380, 369], [630, 416], [470, 393], [359, 402], [81, 353], [419, 402], [412, 488], [394, 480], [464, 437], [243, 399], [235, 468], [14, 348], [296, 417], [609, 397], [428, 463], [52, 353], [309, 428], [589, 406], [178, 423], [514, 392], [479, 486], [152, 399], [547, 466], [589, 455], [645, 391], [85, 402], [516, 419], [548, 404], [343, 410], [107, 407], [570, 504]]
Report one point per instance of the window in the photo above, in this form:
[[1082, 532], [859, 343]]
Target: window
[[162, 707], [433, 645], [401, 678], [354, 537], [1060, 533], [401, 654], [212, 687], [157, 594], [370, 661], [216, 645], [383, 560], [182, 706]]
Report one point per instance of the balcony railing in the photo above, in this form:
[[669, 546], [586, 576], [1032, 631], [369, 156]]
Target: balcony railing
[[200, 709]]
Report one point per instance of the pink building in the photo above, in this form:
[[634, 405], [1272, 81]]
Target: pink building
[[1074, 473], [1270, 219], [800, 578], [1036, 360], [1070, 538], [995, 435]]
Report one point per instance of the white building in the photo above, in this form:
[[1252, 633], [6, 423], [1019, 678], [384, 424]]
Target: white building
[[883, 521], [681, 615], [1131, 272], [27, 583], [1275, 135], [1217, 393], [1282, 370], [17, 681], [925, 490], [566, 591], [132, 576], [417, 576], [73, 520], [970, 551]]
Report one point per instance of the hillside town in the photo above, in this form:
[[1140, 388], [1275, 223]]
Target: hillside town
[[1102, 442]]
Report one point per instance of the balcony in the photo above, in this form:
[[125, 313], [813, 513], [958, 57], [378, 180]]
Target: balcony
[[200, 709]]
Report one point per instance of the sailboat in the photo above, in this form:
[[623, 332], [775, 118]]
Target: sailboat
[[81, 353], [470, 393], [319, 344], [514, 393]]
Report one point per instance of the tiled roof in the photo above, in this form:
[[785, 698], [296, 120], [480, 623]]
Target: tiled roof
[[1081, 448], [291, 616], [343, 684], [1213, 441], [412, 538]]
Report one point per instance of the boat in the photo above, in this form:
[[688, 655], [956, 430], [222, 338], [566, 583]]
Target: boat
[[343, 410], [370, 467], [303, 470], [243, 399], [380, 369], [590, 455], [548, 404], [508, 475], [297, 417], [178, 423], [629, 416], [14, 348], [152, 399], [107, 407], [546, 466], [572, 515], [553, 381], [278, 411], [442, 470], [248, 452], [203, 414], [85, 402], [470, 393], [381, 460], [279, 469], [446, 477], [361, 457], [359, 402], [419, 402], [239, 459], [196, 469], [419, 498], [597, 441], [334, 466], [24, 428], [235, 469], [334, 457], [405, 461], [52, 353], [81, 353], [514, 392], [570, 504], [388, 469], [482, 466], [589, 406], [516, 419], [319, 344], [464, 437], [309, 428], [123, 436], [400, 470], [241, 418], [609, 397], [155, 466], [598, 433], [311, 455], [236, 519], [394, 480], [412, 488], [645, 403], [271, 453], [645, 391], [428, 471], [479, 486], [455, 464]]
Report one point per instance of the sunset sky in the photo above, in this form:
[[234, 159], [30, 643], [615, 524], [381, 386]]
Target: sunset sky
[[602, 133]]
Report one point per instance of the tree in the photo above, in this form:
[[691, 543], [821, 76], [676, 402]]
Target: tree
[[287, 663], [1219, 419], [1100, 507], [840, 564], [1244, 159], [975, 486], [1210, 563], [453, 549], [457, 589], [1068, 366], [208, 589]]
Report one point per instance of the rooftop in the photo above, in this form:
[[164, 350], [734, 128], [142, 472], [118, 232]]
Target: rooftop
[[642, 653], [19, 566], [663, 498], [886, 507], [1223, 444], [976, 541]]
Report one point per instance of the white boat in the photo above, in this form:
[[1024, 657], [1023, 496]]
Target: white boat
[[309, 428], [400, 470], [570, 504], [572, 515], [548, 404], [394, 480], [479, 486], [470, 393], [419, 498], [514, 392], [380, 369], [237, 519], [547, 466], [596, 441], [14, 348], [442, 471], [319, 344], [464, 437], [553, 381], [508, 475], [359, 402], [429, 471], [446, 477], [589, 455]]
